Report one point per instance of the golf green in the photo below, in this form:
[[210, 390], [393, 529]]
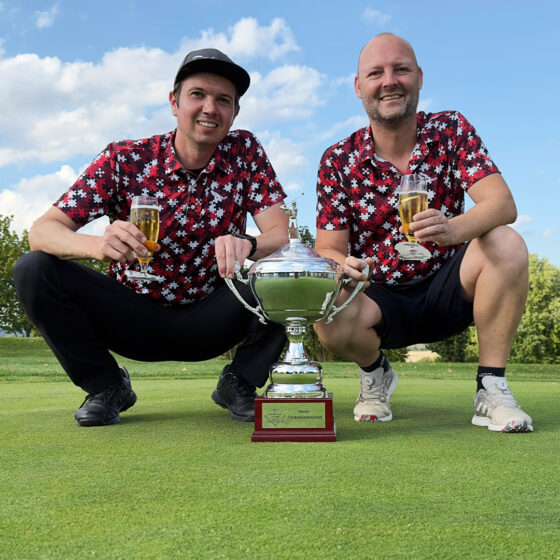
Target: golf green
[[178, 479]]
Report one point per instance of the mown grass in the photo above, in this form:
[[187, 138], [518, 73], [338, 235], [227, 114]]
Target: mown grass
[[178, 479], [30, 359]]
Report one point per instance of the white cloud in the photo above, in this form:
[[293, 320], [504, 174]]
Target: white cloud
[[375, 16], [522, 220], [284, 154], [247, 40], [53, 110], [46, 19], [286, 93], [295, 188], [342, 129], [345, 80], [30, 198], [547, 233], [424, 104]]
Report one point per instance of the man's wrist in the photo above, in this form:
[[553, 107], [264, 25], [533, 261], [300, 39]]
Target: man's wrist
[[250, 238]]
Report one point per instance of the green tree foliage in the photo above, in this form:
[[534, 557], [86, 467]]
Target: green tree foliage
[[306, 237], [395, 354], [538, 336], [13, 319], [459, 348], [100, 266]]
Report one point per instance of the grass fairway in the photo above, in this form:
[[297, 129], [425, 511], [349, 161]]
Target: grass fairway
[[178, 479]]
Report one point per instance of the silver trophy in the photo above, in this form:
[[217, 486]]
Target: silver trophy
[[294, 286]]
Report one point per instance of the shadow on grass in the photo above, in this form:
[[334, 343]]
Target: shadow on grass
[[209, 417], [409, 420]]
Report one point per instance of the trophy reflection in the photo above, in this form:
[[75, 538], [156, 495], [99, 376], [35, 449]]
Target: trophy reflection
[[296, 287]]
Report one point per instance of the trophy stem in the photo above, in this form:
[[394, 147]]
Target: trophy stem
[[295, 331], [295, 374], [295, 353]]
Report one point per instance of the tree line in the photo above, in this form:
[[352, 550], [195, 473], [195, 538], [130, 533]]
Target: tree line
[[537, 340]]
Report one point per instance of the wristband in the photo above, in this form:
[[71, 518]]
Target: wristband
[[249, 238]]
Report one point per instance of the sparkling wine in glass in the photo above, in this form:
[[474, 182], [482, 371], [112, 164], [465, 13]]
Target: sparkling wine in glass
[[413, 198], [144, 214]]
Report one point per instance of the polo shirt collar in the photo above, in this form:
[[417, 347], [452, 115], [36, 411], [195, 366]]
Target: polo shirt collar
[[172, 163], [220, 159], [425, 135]]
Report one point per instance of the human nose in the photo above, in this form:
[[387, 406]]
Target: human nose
[[389, 78], [209, 106]]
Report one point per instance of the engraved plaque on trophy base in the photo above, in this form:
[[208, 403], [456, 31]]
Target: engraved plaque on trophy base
[[294, 419]]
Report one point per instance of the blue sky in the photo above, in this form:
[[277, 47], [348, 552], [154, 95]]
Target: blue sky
[[77, 75]]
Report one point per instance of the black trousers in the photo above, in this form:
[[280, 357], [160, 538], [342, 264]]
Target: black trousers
[[83, 314]]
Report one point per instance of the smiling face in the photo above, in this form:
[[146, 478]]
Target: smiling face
[[389, 80], [205, 107]]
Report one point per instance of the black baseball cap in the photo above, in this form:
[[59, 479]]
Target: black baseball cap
[[214, 61]]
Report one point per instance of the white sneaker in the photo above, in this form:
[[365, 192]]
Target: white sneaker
[[495, 407], [372, 404]]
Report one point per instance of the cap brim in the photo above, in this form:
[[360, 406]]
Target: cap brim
[[234, 73]]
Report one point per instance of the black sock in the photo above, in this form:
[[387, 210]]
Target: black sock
[[484, 371], [375, 364]]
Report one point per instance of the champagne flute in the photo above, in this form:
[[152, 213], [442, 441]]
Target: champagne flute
[[413, 198], [144, 214]]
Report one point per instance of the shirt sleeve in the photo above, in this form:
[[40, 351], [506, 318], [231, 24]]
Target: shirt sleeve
[[333, 212], [472, 161], [89, 197], [264, 188]]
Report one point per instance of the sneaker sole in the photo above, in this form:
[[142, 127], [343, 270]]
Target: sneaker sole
[[513, 427], [372, 418], [218, 400]]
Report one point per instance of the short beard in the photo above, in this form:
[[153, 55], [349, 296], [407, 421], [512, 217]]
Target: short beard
[[396, 118]]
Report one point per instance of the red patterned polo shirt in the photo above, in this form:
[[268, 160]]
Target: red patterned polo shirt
[[356, 190], [194, 210]]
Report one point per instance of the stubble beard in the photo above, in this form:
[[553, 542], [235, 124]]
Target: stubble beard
[[395, 118]]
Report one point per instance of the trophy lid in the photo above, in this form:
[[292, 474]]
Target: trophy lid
[[295, 256]]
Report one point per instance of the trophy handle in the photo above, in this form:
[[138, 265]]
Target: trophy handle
[[334, 310], [256, 310]]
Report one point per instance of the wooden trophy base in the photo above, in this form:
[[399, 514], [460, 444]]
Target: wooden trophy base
[[294, 419]]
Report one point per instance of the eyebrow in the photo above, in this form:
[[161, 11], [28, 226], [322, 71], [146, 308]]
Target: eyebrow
[[205, 90]]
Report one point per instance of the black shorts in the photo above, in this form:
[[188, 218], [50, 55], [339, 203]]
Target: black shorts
[[423, 310]]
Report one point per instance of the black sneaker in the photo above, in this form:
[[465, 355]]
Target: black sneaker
[[237, 395], [103, 408]]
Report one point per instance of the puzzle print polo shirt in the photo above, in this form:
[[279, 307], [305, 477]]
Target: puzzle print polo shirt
[[356, 190], [194, 210]]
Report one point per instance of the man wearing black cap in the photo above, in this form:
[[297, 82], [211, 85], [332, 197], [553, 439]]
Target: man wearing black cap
[[206, 179]]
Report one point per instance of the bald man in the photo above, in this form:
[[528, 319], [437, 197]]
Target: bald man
[[468, 266]]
